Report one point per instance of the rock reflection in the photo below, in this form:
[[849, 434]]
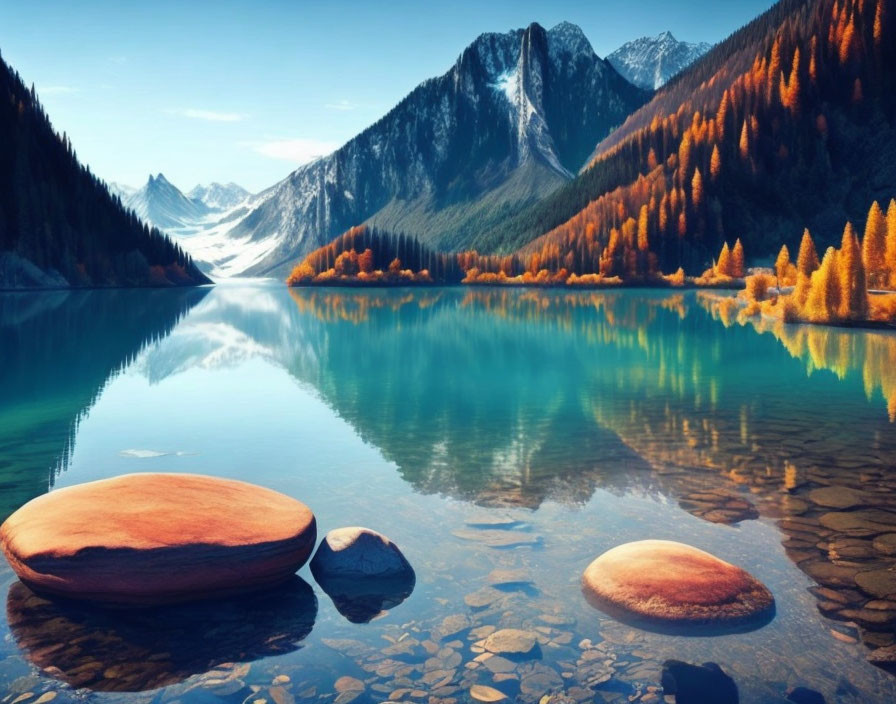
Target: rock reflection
[[690, 629], [138, 650], [361, 600]]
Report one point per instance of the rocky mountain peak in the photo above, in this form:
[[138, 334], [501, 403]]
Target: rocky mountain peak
[[569, 38], [650, 62], [492, 133]]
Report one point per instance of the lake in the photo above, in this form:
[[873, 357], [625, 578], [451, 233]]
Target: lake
[[482, 430]]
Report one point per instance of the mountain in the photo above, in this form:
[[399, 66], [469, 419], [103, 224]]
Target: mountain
[[162, 204], [789, 123], [650, 62], [513, 119], [219, 196], [59, 225]]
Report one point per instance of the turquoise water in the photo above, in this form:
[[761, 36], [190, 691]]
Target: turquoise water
[[581, 420]]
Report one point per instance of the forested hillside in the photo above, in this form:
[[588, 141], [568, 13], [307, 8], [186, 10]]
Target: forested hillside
[[59, 225], [787, 124]]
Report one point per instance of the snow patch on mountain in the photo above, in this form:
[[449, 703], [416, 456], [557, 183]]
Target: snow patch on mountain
[[506, 84]]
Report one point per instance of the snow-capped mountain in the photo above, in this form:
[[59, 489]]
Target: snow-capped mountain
[[513, 119], [651, 61], [162, 204], [219, 196]]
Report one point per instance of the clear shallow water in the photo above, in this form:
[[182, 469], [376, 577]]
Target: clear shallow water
[[590, 419]]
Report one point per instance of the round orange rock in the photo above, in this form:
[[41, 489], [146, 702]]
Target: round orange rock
[[146, 539], [666, 581]]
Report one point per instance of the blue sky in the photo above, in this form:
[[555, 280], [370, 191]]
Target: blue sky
[[241, 91]]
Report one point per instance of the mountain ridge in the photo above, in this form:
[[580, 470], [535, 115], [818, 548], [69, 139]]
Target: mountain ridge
[[453, 142], [649, 62]]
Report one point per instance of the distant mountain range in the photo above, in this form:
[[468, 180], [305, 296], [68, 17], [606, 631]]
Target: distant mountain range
[[59, 225], [512, 120], [162, 204], [650, 62], [219, 196]]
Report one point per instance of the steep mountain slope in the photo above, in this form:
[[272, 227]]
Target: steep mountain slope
[[59, 225], [513, 119], [650, 62], [789, 123], [162, 204]]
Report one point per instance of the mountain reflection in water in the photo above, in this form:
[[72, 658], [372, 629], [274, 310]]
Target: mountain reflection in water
[[517, 398]]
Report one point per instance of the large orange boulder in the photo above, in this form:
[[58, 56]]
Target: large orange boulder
[[143, 539], [665, 581]]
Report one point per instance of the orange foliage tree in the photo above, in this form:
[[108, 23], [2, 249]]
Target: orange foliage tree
[[853, 287]]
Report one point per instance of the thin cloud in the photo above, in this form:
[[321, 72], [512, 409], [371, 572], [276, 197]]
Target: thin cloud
[[341, 105], [208, 115], [57, 90], [298, 151]]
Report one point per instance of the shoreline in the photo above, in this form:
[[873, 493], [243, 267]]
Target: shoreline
[[46, 289], [734, 286]]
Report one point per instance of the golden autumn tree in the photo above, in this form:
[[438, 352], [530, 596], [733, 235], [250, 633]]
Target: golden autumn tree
[[737, 260], [791, 94], [303, 273], [715, 163], [347, 263], [781, 264], [874, 245], [806, 265], [823, 300], [697, 188], [890, 253], [745, 141], [684, 155], [643, 229], [724, 265], [722, 114], [365, 261], [847, 42], [853, 287], [807, 259]]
